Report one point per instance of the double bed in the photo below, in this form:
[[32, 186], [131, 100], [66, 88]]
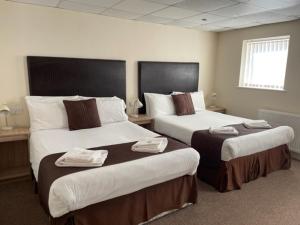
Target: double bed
[[227, 161], [130, 187]]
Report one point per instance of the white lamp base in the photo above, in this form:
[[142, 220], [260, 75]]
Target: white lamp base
[[6, 128], [134, 115]]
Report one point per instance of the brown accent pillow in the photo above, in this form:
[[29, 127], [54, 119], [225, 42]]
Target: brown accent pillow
[[183, 104], [82, 114]]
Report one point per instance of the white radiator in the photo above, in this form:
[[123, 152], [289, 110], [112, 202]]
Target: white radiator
[[284, 118]]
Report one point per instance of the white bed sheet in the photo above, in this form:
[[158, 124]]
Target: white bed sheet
[[183, 127], [46, 142], [77, 190]]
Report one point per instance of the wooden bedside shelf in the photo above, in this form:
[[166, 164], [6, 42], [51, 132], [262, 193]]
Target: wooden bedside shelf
[[216, 109], [14, 173], [142, 120], [16, 134], [14, 155]]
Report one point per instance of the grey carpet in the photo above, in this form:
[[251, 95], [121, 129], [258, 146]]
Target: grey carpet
[[274, 200]]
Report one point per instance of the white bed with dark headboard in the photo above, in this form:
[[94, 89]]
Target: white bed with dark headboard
[[227, 161], [130, 186]]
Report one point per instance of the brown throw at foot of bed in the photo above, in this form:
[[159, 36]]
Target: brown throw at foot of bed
[[230, 175]]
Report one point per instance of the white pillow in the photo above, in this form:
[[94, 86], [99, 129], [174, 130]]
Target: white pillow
[[159, 104], [47, 112], [110, 109], [101, 98], [197, 98]]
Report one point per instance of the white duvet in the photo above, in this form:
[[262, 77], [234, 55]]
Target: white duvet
[[183, 127], [77, 190]]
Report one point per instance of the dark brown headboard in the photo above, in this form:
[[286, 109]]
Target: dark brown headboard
[[166, 77], [53, 76]]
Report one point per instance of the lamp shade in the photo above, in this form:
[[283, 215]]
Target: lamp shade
[[137, 104], [4, 108]]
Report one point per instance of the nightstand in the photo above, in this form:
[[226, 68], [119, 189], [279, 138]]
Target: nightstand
[[141, 119], [14, 155], [216, 109]]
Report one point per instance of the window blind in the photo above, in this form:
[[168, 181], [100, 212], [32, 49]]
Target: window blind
[[264, 63]]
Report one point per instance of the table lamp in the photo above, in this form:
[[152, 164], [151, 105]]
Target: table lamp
[[213, 100], [4, 109], [136, 104]]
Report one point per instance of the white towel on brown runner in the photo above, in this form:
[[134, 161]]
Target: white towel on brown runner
[[151, 145], [223, 130], [80, 157], [257, 124]]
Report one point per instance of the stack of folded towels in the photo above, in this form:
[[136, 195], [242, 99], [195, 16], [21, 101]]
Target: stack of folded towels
[[151, 145], [257, 124], [80, 157], [223, 130]]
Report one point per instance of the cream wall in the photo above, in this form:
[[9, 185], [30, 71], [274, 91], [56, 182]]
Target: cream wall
[[33, 30], [245, 102]]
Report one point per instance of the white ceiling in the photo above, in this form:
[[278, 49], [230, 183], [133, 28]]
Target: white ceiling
[[211, 15]]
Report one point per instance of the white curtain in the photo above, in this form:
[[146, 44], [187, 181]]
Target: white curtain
[[265, 63]]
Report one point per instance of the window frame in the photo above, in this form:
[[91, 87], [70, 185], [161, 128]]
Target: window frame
[[243, 61]]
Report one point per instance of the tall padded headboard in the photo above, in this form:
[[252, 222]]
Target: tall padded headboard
[[166, 77], [54, 76]]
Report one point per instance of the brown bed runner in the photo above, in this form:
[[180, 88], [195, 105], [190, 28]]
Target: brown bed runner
[[49, 172], [210, 145]]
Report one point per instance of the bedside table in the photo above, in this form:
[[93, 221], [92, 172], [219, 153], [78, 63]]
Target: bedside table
[[141, 119], [14, 155], [216, 109]]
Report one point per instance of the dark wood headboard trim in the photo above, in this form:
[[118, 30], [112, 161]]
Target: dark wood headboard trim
[[57, 76], [166, 77]]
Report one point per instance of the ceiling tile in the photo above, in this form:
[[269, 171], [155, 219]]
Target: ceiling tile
[[182, 23], [175, 13], [232, 22], [246, 25], [40, 2], [205, 18], [238, 10], [139, 6], [244, 1], [166, 2], [291, 11], [271, 4], [81, 7], [208, 27], [292, 1], [205, 5], [266, 17], [101, 3], [120, 14], [154, 19]]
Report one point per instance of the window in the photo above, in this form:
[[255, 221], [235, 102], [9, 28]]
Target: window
[[264, 63]]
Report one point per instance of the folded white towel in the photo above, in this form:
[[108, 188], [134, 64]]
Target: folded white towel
[[223, 130], [257, 124], [151, 145], [80, 157]]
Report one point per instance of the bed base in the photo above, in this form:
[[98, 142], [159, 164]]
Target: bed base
[[230, 175], [137, 207]]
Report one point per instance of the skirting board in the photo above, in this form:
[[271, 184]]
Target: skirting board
[[295, 155]]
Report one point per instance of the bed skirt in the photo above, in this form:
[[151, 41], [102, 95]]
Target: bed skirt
[[136, 207], [230, 175]]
